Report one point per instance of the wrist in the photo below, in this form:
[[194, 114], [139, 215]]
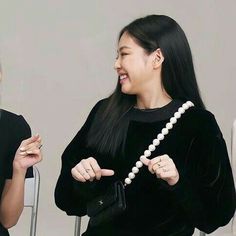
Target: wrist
[[18, 169]]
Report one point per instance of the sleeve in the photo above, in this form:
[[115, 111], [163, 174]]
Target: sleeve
[[206, 189], [20, 131], [71, 195]]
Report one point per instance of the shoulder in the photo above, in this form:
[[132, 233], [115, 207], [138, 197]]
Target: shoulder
[[201, 120], [99, 106], [13, 121]]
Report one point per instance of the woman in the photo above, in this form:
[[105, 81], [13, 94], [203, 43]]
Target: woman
[[18, 153], [184, 179]]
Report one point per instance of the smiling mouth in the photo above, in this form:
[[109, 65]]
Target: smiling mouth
[[122, 77]]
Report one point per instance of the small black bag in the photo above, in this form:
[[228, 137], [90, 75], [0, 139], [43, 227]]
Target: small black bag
[[104, 208]]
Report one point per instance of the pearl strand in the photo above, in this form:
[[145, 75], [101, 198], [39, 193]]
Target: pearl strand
[[156, 142]]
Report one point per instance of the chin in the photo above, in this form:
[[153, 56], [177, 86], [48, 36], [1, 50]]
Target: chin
[[126, 91]]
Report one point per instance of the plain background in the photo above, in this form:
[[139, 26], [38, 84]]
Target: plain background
[[58, 57]]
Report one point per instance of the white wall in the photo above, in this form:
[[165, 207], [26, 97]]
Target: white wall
[[58, 60]]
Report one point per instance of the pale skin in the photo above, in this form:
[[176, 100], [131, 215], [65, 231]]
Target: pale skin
[[140, 74], [12, 200]]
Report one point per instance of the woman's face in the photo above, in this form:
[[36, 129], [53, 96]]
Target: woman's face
[[134, 66]]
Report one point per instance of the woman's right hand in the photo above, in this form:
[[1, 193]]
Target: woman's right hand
[[88, 169]]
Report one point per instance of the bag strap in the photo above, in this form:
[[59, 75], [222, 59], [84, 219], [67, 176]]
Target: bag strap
[[156, 142]]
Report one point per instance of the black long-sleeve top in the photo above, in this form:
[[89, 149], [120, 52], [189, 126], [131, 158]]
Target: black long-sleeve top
[[203, 198]]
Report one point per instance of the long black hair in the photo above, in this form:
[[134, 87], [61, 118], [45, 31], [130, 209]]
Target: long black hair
[[107, 132]]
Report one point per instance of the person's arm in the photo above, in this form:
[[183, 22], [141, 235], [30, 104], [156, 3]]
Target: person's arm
[[12, 199], [206, 189], [70, 195]]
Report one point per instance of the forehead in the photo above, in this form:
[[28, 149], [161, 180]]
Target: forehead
[[126, 41]]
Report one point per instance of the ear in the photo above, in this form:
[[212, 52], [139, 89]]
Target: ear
[[158, 58]]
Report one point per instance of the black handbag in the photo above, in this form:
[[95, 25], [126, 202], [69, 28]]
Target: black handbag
[[106, 207]]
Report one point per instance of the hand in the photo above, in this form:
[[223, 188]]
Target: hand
[[88, 169], [164, 168], [28, 153]]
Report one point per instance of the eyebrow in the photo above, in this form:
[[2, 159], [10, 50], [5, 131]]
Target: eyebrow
[[123, 47]]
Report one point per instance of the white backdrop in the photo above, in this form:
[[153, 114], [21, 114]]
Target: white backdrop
[[58, 57]]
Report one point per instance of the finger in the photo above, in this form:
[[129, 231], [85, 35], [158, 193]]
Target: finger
[[31, 146], [107, 172], [82, 171], [77, 176], [30, 140], [144, 160], [33, 152], [27, 142], [164, 157], [88, 169], [159, 166], [96, 169], [153, 162]]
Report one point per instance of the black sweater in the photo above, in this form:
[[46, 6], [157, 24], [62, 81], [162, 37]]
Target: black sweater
[[204, 196]]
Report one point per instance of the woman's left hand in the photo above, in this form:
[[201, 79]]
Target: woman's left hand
[[28, 153], [164, 168]]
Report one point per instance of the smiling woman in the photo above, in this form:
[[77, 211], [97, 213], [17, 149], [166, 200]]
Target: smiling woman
[[155, 136], [18, 152]]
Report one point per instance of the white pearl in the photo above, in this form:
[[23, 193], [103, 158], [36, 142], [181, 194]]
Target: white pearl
[[128, 181], [173, 120], [135, 170], [190, 103], [151, 148], [131, 175], [181, 110], [139, 164], [164, 131], [160, 136], [169, 126], [156, 142], [185, 106], [177, 115], [147, 153], [142, 158]]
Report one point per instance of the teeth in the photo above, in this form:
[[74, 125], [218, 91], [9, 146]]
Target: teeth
[[123, 76]]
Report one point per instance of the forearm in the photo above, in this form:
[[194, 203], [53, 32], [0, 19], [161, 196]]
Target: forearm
[[12, 201]]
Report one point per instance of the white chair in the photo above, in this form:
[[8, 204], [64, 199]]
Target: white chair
[[31, 198], [77, 226]]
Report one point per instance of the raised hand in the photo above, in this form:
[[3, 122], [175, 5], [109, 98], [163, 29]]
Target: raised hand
[[164, 168], [28, 153], [88, 170]]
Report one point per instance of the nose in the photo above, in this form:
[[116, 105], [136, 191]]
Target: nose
[[117, 64]]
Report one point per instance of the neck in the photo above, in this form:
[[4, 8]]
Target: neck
[[150, 101]]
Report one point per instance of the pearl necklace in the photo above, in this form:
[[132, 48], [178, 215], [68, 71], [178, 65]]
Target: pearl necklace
[[156, 142]]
